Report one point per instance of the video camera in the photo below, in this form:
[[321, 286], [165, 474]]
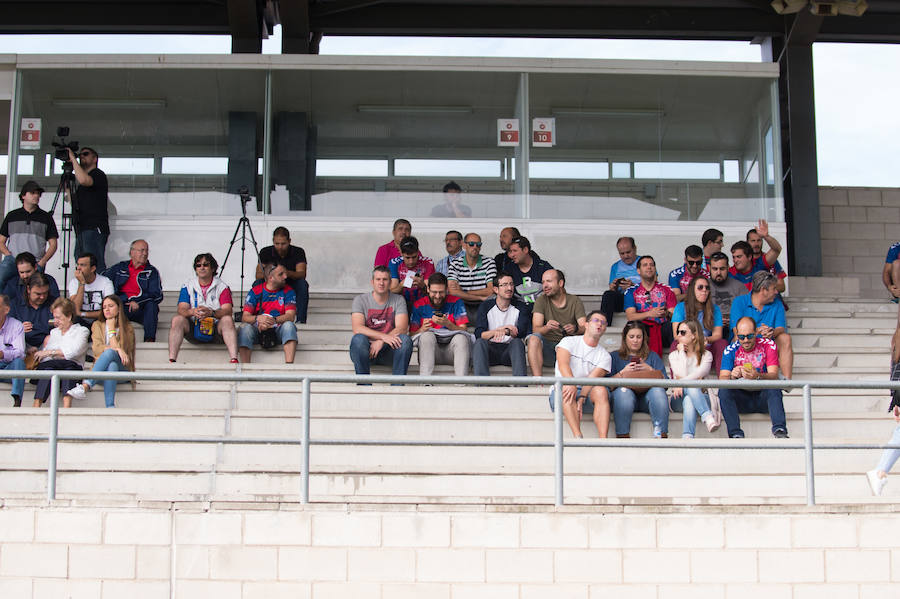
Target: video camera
[[61, 154]]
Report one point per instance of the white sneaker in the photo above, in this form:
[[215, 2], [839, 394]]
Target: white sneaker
[[687, 436], [710, 422], [876, 483], [77, 392]]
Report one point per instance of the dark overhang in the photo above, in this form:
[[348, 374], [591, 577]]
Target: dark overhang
[[305, 21]]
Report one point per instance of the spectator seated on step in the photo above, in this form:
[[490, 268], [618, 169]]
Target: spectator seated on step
[[26, 265], [651, 303], [293, 259], [556, 314], [439, 324], [380, 325], [890, 275], [724, 289], [763, 306], [268, 316], [138, 285], [698, 305], [681, 277], [501, 324]]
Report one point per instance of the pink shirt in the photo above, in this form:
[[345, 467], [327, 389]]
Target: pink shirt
[[386, 253]]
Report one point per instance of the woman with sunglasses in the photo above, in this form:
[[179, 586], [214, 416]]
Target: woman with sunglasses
[[635, 360], [698, 305], [112, 338], [691, 361]]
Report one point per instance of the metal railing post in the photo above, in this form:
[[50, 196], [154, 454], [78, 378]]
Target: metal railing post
[[304, 445], [53, 441], [558, 443], [808, 441]]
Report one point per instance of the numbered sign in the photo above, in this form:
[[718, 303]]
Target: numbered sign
[[31, 134], [507, 132], [543, 133]]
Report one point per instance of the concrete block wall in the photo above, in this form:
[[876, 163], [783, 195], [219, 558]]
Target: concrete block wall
[[249, 551], [858, 226]]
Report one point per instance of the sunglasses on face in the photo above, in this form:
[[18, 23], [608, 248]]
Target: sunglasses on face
[[694, 262], [743, 337], [473, 244], [681, 332], [203, 264], [702, 287], [84, 153]]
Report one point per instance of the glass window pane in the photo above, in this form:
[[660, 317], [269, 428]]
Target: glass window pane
[[621, 170], [677, 170], [411, 167], [195, 165], [26, 165], [732, 171], [568, 170], [127, 166], [351, 168]]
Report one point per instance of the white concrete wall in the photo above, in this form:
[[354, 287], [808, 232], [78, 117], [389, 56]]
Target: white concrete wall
[[859, 224], [272, 552]]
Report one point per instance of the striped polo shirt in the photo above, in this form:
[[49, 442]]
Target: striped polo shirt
[[472, 279]]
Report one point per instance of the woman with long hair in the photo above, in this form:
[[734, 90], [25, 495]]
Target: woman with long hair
[[113, 344], [698, 305], [691, 361], [635, 360], [63, 349]]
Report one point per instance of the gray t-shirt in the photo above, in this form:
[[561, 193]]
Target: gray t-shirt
[[379, 317], [726, 291]]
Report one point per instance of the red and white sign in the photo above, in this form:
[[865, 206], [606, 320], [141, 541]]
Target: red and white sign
[[31, 134], [543, 133], [507, 132]]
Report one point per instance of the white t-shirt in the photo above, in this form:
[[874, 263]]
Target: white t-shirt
[[584, 358], [94, 292], [497, 318]]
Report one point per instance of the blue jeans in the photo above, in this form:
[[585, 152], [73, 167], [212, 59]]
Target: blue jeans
[[109, 361], [738, 401], [890, 456], [148, 315], [652, 401], [18, 385], [93, 241], [487, 353], [398, 358], [694, 402], [248, 334], [7, 270]]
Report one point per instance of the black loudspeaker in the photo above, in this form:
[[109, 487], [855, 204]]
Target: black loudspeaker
[[242, 158], [291, 157]]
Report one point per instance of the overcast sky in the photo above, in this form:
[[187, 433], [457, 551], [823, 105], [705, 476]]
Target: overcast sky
[[857, 121]]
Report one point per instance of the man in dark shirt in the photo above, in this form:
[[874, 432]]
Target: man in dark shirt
[[293, 259], [34, 313], [16, 288], [527, 270], [89, 211]]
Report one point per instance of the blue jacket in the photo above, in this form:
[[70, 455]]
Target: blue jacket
[[523, 322], [148, 280]]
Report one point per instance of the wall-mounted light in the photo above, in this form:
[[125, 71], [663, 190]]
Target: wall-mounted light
[[395, 109], [608, 112], [109, 102]]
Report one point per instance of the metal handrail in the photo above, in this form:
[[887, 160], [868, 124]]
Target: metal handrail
[[558, 444]]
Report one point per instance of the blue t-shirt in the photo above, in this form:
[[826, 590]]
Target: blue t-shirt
[[893, 253], [653, 360], [625, 271], [678, 316], [772, 315]]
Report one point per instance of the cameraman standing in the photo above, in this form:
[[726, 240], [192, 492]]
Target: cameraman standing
[[90, 215]]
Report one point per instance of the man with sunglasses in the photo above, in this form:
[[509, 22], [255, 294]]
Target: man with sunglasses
[[680, 278], [751, 357], [471, 275], [27, 229], [204, 310], [89, 206], [453, 244], [762, 305]]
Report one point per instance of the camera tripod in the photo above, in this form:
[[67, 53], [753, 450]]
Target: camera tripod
[[243, 227], [66, 187]]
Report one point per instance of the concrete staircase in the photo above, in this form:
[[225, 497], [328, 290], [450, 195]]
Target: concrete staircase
[[834, 339]]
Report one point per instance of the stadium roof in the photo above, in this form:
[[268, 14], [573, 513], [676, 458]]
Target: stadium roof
[[305, 21]]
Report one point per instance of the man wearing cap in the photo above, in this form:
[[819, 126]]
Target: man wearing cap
[[27, 229], [89, 211]]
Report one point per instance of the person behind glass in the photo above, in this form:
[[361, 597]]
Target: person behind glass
[[651, 303], [64, 349], [634, 359], [138, 285], [583, 356], [15, 288], [500, 325], [89, 289], [454, 247], [12, 349], [698, 305], [380, 324], [690, 361], [387, 252], [112, 338], [27, 229], [204, 310], [89, 208], [268, 316], [293, 259], [681, 277], [751, 357], [452, 206], [35, 312], [622, 275]]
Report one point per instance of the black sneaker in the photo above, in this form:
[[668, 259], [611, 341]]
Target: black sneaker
[[17, 401], [737, 436], [780, 434]]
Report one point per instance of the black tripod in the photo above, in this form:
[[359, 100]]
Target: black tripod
[[243, 227], [66, 187]]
